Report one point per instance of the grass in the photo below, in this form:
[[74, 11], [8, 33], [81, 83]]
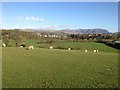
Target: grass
[[41, 68], [0, 65], [82, 46], [67, 44]]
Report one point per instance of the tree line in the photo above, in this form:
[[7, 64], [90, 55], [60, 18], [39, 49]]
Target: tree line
[[96, 37], [19, 36]]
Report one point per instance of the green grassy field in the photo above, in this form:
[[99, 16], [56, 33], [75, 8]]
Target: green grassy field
[[67, 44], [81, 46], [59, 68]]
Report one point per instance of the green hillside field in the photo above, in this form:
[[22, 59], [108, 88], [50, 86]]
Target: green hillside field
[[55, 68]]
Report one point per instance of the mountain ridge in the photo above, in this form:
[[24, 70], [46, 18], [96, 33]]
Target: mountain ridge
[[80, 31], [87, 31], [70, 31]]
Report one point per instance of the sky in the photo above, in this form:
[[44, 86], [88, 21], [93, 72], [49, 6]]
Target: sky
[[60, 15]]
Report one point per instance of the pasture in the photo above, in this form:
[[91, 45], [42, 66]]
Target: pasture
[[54, 68], [75, 45], [64, 44], [82, 46]]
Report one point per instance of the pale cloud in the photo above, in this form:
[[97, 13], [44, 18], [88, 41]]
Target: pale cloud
[[27, 18], [35, 19], [56, 26], [2, 19], [45, 27], [17, 27]]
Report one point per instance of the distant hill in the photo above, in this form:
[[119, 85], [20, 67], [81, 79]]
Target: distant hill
[[116, 32], [86, 31], [69, 31]]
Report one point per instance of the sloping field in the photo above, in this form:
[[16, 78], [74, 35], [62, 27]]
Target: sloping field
[[82, 46], [58, 68], [67, 44]]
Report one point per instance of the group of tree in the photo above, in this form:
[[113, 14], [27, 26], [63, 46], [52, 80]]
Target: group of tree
[[19, 36], [96, 37]]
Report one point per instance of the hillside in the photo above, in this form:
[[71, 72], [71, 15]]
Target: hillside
[[69, 31], [86, 31], [73, 31], [45, 68]]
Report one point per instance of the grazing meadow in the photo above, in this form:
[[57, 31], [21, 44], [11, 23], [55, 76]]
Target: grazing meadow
[[57, 68]]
